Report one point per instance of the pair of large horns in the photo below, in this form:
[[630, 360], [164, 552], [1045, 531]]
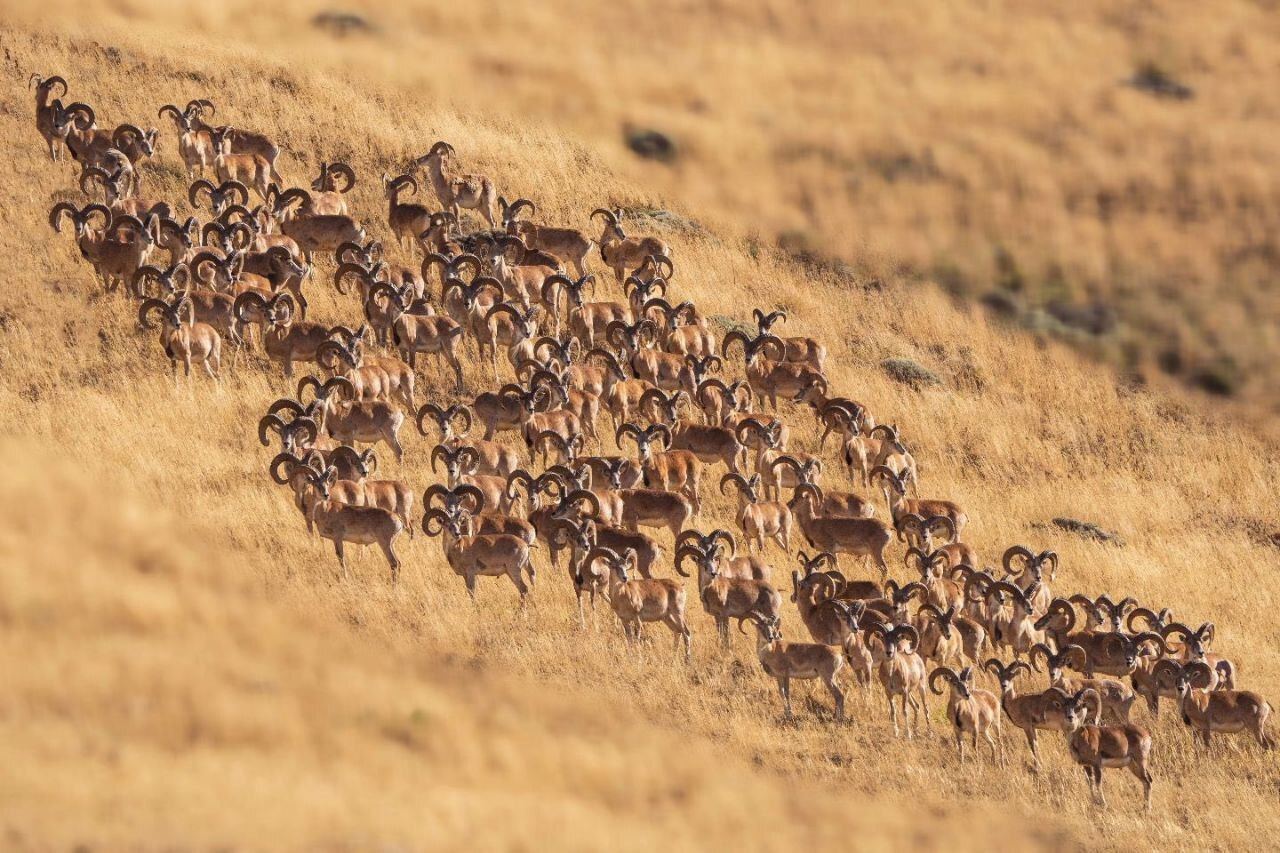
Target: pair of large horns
[[93, 173], [925, 561], [453, 498], [640, 436], [1062, 658], [753, 346], [291, 463], [582, 496], [326, 349], [641, 289], [218, 194], [812, 564], [1154, 621], [1176, 629], [661, 264], [891, 637], [1132, 644], [322, 390], [1195, 673], [707, 541], [1030, 561], [170, 313], [444, 418], [883, 471], [765, 321], [364, 463], [349, 252], [77, 216], [279, 310], [900, 595], [807, 489], [613, 558], [1005, 673]]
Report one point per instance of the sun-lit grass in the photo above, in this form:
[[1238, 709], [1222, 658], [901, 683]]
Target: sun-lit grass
[[182, 666]]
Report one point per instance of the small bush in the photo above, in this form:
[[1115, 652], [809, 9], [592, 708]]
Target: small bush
[[799, 247], [666, 218], [1149, 77], [1002, 302], [341, 23], [650, 144], [908, 372], [1087, 529], [727, 324], [1096, 318], [951, 278], [893, 166], [1171, 361], [1008, 274], [1222, 378]]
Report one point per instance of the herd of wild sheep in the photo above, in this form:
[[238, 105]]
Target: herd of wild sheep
[[515, 301]]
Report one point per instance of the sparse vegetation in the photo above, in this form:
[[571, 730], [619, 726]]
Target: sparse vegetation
[[1152, 77], [650, 144], [910, 373], [1087, 529], [342, 23]]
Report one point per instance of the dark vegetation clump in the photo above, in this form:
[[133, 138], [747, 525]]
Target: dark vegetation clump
[[1151, 78], [1088, 530], [650, 144], [910, 373], [341, 24]]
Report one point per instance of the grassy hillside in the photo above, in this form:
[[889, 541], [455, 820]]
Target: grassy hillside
[[182, 665], [997, 149]]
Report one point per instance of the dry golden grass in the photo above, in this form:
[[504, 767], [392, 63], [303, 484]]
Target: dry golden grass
[[183, 668], [991, 147], [917, 139]]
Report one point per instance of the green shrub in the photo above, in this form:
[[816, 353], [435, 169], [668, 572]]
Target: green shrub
[[910, 373]]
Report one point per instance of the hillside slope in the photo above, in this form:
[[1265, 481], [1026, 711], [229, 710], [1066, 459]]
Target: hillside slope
[[1000, 150], [184, 668]]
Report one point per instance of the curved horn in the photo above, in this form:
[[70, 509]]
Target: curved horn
[[197, 187], [268, 422], [345, 172], [1166, 666], [1040, 649], [579, 495], [441, 519], [790, 462], [1201, 674], [477, 497], [687, 551], [737, 480], [274, 468], [57, 212], [1153, 621], [145, 309], [945, 673]]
